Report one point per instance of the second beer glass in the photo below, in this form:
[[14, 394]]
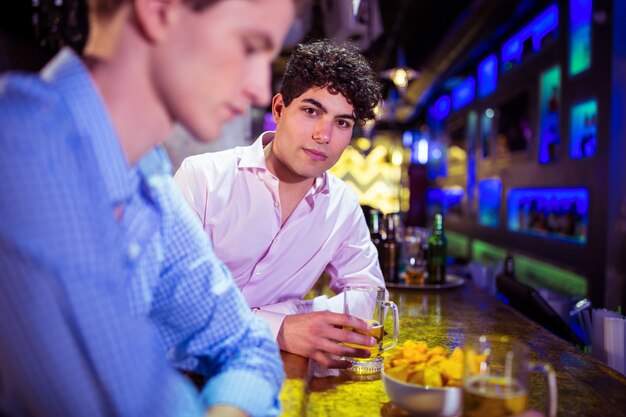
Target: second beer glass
[[495, 381]]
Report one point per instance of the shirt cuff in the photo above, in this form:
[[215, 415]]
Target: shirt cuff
[[275, 314], [273, 319], [324, 303], [254, 395]]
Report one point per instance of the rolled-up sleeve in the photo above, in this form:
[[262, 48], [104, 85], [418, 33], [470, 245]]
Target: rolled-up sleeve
[[205, 321]]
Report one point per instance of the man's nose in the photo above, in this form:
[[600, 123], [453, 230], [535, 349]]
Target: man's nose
[[322, 131], [257, 85]]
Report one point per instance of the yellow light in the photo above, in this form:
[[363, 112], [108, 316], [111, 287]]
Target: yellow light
[[363, 144], [396, 158], [400, 77], [378, 111]]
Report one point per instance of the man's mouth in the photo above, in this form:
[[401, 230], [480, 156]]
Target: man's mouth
[[316, 155]]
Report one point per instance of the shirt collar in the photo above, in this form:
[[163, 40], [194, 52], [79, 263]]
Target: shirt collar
[[253, 157], [68, 75]]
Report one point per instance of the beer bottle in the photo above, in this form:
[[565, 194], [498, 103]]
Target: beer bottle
[[391, 251], [437, 253]]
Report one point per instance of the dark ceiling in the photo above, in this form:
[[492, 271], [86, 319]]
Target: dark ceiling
[[412, 29], [414, 26], [435, 37], [432, 36]]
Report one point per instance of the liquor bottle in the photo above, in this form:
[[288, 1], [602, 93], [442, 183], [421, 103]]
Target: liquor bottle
[[509, 266], [375, 224], [437, 253], [390, 251]]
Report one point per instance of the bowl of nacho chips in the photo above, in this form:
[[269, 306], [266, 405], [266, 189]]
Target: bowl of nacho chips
[[424, 381]]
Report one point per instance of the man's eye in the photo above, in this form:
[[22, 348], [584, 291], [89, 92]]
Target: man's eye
[[310, 111], [343, 123], [249, 49]]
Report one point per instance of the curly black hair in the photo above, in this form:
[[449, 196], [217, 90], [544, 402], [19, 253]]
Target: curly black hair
[[341, 68]]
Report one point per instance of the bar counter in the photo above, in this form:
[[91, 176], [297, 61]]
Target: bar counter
[[447, 317]]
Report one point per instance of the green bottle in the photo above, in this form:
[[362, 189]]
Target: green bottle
[[437, 253]]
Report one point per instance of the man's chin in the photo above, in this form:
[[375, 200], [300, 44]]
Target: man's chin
[[208, 134]]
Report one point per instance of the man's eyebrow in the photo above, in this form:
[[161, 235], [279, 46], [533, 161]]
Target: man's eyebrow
[[262, 40], [323, 109]]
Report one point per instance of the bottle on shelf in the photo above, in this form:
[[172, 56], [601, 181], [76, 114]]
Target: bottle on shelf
[[390, 260], [437, 253], [375, 228], [509, 266]]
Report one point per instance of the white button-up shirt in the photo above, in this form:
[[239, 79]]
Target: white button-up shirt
[[236, 198]]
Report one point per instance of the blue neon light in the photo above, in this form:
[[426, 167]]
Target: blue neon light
[[550, 98], [472, 132], [407, 138], [487, 76], [580, 13], [584, 130], [441, 200], [441, 109], [463, 93], [536, 30], [419, 151], [580, 36], [489, 197], [557, 213], [437, 160]]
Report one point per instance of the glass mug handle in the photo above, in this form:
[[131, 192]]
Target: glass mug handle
[[396, 326], [548, 373]]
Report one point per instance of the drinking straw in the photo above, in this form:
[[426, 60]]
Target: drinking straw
[[614, 341]]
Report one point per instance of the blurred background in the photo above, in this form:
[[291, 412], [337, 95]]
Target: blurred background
[[506, 116]]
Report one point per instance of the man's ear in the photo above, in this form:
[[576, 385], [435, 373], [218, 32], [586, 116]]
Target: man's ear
[[154, 17], [277, 107]]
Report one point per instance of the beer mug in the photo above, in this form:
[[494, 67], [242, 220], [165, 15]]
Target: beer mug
[[367, 302], [495, 379]]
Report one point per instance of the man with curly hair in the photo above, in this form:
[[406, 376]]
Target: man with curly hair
[[278, 220]]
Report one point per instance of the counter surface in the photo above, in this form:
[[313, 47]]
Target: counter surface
[[448, 317]]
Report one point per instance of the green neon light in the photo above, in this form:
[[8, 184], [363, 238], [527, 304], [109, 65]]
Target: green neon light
[[486, 253], [458, 244], [542, 275], [533, 272], [580, 50], [549, 136]]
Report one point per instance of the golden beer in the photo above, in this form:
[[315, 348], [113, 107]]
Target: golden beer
[[415, 276], [376, 333], [488, 396]]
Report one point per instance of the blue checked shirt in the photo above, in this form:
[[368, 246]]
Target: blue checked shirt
[[85, 258]]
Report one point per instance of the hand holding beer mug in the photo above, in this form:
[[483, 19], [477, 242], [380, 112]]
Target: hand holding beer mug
[[495, 380], [367, 302]]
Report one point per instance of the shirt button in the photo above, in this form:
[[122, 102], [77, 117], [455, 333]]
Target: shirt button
[[133, 250], [275, 203], [258, 272]]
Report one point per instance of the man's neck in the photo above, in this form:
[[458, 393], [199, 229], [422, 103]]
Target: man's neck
[[287, 178], [291, 188], [119, 70]]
